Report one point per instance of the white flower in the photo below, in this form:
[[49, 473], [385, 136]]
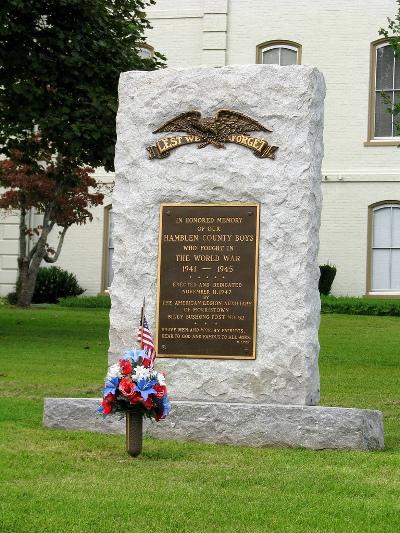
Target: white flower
[[161, 378], [114, 371], [141, 372]]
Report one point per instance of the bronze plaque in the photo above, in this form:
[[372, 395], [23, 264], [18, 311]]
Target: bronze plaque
[[207, 281], [226, 126]]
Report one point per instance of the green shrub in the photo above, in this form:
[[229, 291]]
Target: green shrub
[[12, 298], [327, 275], [101, 301], [360, 306], [54, 283]]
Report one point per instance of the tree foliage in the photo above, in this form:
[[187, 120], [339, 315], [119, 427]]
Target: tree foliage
[[60, 62], [392, 32]]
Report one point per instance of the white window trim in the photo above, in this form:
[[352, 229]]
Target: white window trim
[[149, 48], [372, 137], [278, 43], [280, 47], [380, 292], [106, 240]]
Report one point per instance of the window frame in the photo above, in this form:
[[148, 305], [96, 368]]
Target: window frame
[[370, 237], [106, 235], [148, 47], [278, 43], [371, 139]]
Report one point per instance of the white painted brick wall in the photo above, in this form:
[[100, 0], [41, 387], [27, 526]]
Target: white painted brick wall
[[215, 6], [8, 251], [344, 229], [82, 252], [335, 36]]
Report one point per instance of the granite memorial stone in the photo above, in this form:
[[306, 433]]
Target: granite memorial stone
[[268, 395]]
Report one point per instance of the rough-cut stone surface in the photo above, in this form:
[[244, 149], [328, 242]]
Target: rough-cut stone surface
[[236, 423], [278, 387], [290, 102]]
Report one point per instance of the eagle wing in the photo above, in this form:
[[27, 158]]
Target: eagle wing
[[228, 122], [189, 121]]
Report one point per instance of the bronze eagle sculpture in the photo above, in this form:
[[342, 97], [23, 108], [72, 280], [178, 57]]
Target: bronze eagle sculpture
[[212, 130]]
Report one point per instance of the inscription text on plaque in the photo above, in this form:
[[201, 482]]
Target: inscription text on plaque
[[207, 280]]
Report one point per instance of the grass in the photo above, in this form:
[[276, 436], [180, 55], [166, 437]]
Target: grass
[[101, 301], [60, 481], [329, 304]]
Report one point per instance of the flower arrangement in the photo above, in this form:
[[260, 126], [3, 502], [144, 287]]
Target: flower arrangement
[[132, 384]]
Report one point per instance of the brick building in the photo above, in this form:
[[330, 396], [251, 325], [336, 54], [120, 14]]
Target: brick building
[[360, 230]]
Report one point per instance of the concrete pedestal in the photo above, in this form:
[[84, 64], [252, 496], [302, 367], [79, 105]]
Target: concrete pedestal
[[241, 424]]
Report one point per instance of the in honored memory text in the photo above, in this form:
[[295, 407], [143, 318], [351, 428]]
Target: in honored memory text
[[207, 280]]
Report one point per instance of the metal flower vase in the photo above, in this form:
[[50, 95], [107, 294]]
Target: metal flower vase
[[134, 432]]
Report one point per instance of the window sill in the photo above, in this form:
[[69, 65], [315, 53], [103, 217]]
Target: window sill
[[385, 295], [383, 142]]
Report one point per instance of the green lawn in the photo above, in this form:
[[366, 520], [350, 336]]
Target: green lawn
[[59, 481]]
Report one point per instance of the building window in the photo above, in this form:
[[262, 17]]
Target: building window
[[108, 250], [146, 51], [385, 91], [281, 53], [385, 248]]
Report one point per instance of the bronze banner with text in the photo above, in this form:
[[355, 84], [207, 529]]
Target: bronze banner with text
[[162, 148]]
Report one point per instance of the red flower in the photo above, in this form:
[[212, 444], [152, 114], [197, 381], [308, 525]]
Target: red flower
[[161, 390], [135, 397], [148, 403], [110, 397], [107, 407], [146, 362], [107, 403], [126, 386], [125, 366]]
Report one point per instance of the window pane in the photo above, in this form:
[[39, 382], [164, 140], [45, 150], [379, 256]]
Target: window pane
[[396, 115], [110, 269], [382, 228], [383, 118], [145, 53], [110, 229], [395, 281], [384, 68], [396, 226], [271, 57], [397, 73], [110, 272], [380, 270], [288, 57]]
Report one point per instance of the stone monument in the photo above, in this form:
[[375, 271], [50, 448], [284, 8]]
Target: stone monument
[[233, 241]]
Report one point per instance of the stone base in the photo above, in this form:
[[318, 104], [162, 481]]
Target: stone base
[[240, 424]]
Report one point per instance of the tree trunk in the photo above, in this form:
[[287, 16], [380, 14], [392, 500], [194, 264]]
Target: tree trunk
[[29, 263], [25, 283], [28, 271], [23, 299]]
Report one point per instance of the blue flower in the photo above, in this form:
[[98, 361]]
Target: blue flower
[[111, 386], [166, 405], [134, 354], [145, 387]]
